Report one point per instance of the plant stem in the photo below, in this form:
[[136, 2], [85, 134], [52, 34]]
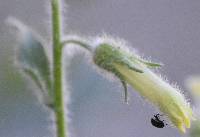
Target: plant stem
[[57, 69], [77, 42]]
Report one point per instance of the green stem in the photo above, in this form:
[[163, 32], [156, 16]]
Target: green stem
[[57, 70], [77, 42]]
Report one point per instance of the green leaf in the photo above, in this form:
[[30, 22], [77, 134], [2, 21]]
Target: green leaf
[[31, 57]]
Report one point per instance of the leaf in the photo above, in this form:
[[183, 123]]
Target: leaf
[[31, 56]]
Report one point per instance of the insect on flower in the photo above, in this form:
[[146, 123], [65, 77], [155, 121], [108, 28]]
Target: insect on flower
[[156, 122], [130, 69]]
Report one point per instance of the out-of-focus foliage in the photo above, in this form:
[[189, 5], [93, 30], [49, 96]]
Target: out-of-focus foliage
[[31, 57], [195, 129]]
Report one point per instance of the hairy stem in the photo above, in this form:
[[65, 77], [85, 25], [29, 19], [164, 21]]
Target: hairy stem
[[77, 42], [57, 69]]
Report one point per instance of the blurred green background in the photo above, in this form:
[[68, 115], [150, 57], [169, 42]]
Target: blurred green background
[[165, 30]]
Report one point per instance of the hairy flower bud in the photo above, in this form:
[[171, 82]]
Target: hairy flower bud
[[131, 69]]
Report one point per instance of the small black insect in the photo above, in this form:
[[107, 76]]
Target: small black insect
[[156, 122]]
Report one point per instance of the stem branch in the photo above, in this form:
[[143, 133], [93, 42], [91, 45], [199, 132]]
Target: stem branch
[[77, 42]]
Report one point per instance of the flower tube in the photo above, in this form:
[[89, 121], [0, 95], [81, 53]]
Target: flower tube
[[131, 69]]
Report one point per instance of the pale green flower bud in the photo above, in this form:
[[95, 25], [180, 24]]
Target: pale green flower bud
[[131, 69]]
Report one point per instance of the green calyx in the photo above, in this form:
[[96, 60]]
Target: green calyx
[[106, 55]]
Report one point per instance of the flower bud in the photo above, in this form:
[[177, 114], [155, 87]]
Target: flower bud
[[131, 69]]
